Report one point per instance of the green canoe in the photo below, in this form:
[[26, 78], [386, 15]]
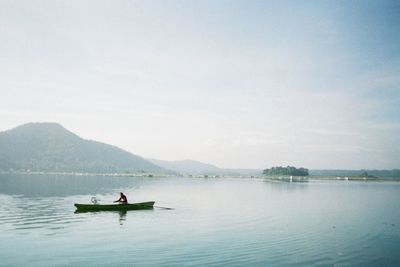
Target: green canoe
[[114, 207]]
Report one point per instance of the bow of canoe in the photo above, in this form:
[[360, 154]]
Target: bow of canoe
[[114, 207]]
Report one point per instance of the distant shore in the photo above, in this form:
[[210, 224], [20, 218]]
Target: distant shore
[[138, 174], [264, 177], [330, 178]]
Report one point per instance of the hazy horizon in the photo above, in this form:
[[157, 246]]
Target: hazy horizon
[[236, 84]]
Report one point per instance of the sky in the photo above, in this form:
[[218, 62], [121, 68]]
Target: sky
[[238, 84]]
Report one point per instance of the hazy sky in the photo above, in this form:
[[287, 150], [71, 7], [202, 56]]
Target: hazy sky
[[249, 84]]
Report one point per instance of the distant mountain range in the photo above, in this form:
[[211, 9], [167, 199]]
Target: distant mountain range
[[193, 167], [51, 147]]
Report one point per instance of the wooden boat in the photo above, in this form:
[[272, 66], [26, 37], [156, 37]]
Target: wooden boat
[[114, 207]]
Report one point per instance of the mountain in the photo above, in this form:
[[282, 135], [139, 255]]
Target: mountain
[[187, 166], [199, 168], [51, 147]]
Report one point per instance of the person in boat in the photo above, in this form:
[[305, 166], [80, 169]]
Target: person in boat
[[122, 199]]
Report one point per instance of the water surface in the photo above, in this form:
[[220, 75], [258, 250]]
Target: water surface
[[214, 222]]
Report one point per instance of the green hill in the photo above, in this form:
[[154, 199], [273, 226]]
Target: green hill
[[51, 147], [289, 170]]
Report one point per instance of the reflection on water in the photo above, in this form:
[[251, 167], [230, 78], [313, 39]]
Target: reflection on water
[[214, 222], [281, 185], [122, 216], [121, 213], [63, 185], [23, 214]]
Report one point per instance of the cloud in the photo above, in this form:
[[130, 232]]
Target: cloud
[[332, 132], [238, 86], [382, 126]]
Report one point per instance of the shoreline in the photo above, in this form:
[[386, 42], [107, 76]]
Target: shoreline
[[263, 177]]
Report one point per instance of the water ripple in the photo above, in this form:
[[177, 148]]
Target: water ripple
[[214, 223], [35, 213]]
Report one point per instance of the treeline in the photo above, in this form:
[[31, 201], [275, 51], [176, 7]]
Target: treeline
[[395, 173], [289, 170]]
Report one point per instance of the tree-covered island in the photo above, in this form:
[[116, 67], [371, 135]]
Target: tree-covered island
[[289, 170]]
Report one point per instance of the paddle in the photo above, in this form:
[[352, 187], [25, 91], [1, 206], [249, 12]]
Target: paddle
[[165, 208]]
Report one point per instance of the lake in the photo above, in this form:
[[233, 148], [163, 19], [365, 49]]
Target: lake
[[214, 222]]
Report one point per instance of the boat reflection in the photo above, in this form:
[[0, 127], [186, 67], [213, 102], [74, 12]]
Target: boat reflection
[[122, 216]]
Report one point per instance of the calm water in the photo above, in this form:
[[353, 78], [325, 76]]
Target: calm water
[[215, 222]]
